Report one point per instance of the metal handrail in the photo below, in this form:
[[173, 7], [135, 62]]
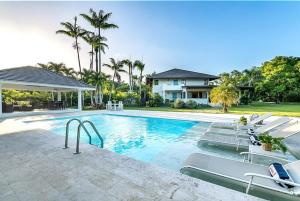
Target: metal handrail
[[78, 128], [96, 131]]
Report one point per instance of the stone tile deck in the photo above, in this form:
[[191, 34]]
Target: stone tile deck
[[34, 167]]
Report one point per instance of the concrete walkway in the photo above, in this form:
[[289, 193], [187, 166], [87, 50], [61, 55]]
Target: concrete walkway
[[34, 167]]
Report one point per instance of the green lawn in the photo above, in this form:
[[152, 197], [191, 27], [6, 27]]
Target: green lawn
[[283, 109]]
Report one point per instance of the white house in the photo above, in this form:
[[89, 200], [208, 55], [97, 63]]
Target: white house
[[182, 84]]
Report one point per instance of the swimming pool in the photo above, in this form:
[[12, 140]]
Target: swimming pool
[[165, 142]]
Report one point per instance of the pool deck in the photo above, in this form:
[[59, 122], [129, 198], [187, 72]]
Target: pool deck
[[34, 167]]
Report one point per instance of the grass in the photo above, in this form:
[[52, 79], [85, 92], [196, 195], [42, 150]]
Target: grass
[[283, 109]]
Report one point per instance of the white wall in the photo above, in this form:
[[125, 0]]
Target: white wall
[[166, 87]]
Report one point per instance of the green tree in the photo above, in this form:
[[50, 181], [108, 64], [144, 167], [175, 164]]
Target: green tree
[[117, 68], [140, 66], [225, 95], [97, 44], [100, 22], [73, 31], [130, 66], [281, 76]]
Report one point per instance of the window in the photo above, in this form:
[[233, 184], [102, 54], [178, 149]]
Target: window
[[174, 95], [175, 82], [205, 82], [155, 82], [194, 94]]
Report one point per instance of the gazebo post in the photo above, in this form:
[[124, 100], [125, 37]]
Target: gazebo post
[[79, 100], [59, 96], [0, 100]]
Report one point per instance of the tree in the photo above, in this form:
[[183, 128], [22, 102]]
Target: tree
[[59, 68], [140, 66], [96, 44], [130, 66], [117, 67], [73, 31], [97, 79], [281, 77], [225, 95], [100, 22]]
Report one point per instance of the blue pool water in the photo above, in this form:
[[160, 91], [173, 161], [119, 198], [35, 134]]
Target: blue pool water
[[165, 142]]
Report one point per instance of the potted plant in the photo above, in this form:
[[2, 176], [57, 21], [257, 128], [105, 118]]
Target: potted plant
[[270, 143], [8, 106], [243, 121]]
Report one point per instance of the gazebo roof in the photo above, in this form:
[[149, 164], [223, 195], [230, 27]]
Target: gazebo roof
[[34, 78]]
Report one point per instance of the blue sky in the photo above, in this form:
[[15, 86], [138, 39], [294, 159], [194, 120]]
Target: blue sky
[[209, 37]]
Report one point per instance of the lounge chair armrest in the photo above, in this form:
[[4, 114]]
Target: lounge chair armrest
[[252, 175]]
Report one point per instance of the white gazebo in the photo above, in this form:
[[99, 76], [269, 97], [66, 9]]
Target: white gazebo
[[31, 78]]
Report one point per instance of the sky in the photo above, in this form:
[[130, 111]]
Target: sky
[[207, 37]]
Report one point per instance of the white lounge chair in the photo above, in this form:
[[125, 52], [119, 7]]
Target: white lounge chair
[[239, 140], [289, 129], [264, 128], [252, 178], [235, 124]]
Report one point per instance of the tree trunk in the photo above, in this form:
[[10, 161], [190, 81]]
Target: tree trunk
[[100, 67], [92, 59], [129, 82], [141, 77], [78, 57], [225, 109], [112, 86], [99, 35], [96, 58]]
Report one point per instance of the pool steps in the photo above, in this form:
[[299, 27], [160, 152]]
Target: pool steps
[[81, 124]]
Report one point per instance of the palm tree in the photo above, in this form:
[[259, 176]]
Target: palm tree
[[97, 79], [57, 67], [44, 66], [100, 22], [225, 95], [130, 66], [70, 72], [73, 31], [140, 66], [54, 67], [117, 67], [96, 44]]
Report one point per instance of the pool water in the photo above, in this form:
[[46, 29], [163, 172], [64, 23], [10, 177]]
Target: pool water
[[164, 142]]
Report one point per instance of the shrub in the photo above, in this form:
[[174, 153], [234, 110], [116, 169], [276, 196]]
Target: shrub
[[157, 100], [179, 103], [244, 100], [243, 120], [292, 96], [191, 104]]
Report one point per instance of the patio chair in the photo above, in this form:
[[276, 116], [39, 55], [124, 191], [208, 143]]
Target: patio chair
[[120, 105], [264, 128], [109, 105], [239, 140], [240, 175], [235, 124]]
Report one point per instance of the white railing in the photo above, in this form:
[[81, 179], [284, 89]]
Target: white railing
[[166, 87]]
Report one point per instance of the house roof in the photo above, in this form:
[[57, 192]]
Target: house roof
[[179, 73], [35, 76]]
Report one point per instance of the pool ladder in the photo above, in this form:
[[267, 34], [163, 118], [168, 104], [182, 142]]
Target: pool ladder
[[81, 124]]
